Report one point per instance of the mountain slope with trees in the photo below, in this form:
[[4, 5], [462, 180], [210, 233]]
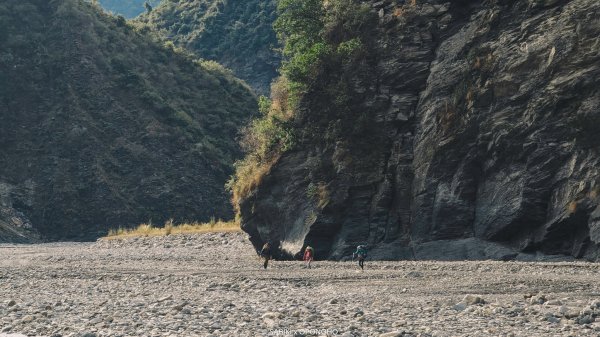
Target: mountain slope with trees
[[104, 127], [237, 34]]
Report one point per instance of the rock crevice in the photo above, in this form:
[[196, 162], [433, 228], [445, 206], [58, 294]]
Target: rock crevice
[[480, 143]]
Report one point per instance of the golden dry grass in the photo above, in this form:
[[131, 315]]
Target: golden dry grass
[[572, 207], [249, 175], [594, 193], [399, 11], [170, 229], [263, 142]]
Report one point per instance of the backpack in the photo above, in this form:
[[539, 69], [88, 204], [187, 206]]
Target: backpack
[[362, 250], [266, 250], [309, 250]]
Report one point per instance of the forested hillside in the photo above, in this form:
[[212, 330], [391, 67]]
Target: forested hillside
[[236, 33], [103, 127]]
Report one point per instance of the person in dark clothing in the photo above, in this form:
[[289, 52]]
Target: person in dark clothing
[[265, 253], [361, 254]]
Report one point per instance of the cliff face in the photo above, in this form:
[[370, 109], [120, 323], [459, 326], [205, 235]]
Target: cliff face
[[478, 124], [101, 127], [14, 225]]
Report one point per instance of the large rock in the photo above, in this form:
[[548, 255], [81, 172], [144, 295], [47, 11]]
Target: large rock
[[481, 141]]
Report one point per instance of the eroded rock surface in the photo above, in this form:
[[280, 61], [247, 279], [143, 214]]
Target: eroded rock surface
[[481, 141]]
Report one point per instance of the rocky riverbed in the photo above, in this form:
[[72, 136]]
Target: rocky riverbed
[[214, 285]]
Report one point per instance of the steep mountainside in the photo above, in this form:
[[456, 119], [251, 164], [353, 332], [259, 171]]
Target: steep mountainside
[[103, 127], [460, 130], [127, 8], [235, 33]]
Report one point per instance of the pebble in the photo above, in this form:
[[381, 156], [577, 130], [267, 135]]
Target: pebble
[[473, 299], [393, 334], [140, 288]]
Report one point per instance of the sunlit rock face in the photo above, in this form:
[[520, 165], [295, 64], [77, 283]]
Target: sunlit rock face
[[482, 141]]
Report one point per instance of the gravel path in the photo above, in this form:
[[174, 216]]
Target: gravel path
[[213, 285]]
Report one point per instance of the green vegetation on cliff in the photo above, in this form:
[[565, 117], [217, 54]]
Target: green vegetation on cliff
[[431, 130], [326, 48], [103, 127], [237, 34]]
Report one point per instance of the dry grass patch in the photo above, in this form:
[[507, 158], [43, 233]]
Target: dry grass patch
[[264, 140], [248, 176], [170, 229], [572, 207]]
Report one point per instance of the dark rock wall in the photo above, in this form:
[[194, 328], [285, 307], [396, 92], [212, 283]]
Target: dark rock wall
[[482, 141], [14, 225]]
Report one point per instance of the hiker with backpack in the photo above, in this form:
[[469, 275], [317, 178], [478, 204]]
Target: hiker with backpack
[[265, 253], [308, 256], [361, 254]]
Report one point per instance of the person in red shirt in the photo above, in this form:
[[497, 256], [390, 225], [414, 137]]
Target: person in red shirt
[[308, 256]]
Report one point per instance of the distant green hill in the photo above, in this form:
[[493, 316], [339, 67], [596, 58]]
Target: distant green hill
[[102, 126], [127, 8], [235, 33]]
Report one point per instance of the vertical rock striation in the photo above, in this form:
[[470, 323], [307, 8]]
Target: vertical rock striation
[[479, 140]]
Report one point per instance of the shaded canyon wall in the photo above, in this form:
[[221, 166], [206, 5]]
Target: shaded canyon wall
[[483, 118]]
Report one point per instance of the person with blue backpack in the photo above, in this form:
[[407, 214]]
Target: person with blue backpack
[[361, 254]]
